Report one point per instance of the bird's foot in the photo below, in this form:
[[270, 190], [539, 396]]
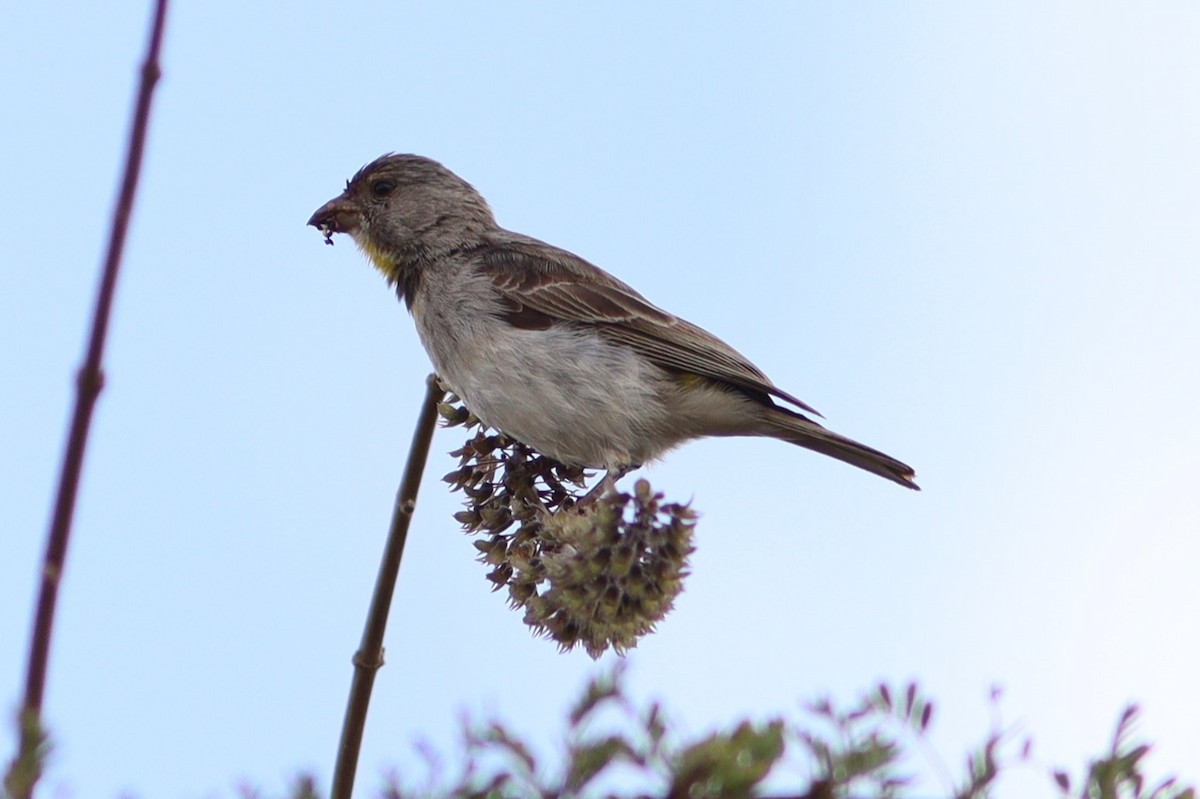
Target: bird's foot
[[609, 483]]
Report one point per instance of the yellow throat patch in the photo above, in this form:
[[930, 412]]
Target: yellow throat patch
[[379, 259]]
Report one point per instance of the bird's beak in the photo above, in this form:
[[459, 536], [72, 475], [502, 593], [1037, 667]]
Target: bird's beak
[[339, 215]]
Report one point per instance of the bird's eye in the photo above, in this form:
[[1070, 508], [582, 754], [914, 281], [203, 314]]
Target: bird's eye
[[382, 188]]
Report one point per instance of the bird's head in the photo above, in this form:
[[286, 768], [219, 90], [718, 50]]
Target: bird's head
[[404, 209]]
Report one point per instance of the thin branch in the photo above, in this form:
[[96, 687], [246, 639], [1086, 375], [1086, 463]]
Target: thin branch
[[20, 779], [369, 657]]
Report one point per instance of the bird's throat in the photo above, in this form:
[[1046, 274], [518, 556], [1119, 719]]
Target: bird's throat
[[380, 259]]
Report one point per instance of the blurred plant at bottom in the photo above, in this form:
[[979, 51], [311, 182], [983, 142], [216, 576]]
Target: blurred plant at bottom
[[867, 751], [597, 571], [612, 749]]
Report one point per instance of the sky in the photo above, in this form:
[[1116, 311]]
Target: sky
[[966, 233]]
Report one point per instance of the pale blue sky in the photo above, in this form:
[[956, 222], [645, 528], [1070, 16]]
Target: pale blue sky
[[966, 233]]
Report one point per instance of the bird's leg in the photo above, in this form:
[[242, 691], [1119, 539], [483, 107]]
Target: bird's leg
[[604, 486]]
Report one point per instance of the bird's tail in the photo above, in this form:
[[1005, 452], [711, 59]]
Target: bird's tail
[[796, 429]]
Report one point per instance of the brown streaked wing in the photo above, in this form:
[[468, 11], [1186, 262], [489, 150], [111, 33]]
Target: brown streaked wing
[[540, 283]]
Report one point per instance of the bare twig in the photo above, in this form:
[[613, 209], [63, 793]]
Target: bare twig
[[24, 771], [369, 657]]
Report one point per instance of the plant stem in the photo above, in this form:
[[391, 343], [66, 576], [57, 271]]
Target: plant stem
[[24, 770], [369, 657]]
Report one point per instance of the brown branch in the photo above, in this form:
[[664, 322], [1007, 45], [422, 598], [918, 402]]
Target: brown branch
[[24, 770], [369, 657]]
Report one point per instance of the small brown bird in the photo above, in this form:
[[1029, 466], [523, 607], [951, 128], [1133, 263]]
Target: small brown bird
[[548, 348]]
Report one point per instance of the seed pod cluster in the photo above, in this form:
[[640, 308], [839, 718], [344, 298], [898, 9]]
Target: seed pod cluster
[[598, 574]]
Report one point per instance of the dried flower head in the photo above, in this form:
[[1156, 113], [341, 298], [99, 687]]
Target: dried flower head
[[598, 574]]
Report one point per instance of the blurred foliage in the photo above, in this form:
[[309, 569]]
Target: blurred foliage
[[1118, 774], [870, 750]]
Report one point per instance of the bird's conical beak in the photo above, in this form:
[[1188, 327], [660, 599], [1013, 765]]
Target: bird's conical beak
[[339, 215]]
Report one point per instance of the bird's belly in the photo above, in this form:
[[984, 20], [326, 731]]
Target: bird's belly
[[566, 392]]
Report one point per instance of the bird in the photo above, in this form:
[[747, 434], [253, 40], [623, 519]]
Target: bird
[[552, 350]]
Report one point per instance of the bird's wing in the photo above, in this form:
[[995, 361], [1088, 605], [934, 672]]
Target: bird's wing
[[541, 285]]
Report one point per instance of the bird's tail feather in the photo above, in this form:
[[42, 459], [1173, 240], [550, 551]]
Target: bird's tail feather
[[796, 429]]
